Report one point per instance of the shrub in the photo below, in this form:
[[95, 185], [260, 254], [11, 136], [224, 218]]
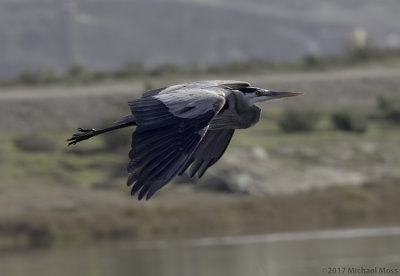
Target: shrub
[[37, 78], [77, 71], [165, 70], [312, 61], [78, 74], [35, 142], [133, 69], [296, 120], [393, 114], [348, 121], [100, 76], [390, 108], [383, 102]]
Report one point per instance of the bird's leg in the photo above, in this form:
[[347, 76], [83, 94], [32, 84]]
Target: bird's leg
[[85, 134]]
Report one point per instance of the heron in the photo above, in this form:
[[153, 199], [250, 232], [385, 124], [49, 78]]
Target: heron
[[184, 127]]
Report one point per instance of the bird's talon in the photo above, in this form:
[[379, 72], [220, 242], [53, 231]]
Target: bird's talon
[[82, 134], [86, 130]]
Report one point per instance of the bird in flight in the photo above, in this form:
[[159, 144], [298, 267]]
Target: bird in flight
[[184, 126]]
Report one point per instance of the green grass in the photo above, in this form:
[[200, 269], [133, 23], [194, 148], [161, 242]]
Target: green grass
[[81, 165]]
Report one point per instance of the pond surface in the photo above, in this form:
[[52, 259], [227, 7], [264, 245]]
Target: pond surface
[[305, 253]]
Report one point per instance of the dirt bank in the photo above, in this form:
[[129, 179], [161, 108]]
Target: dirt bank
[[69, 107]]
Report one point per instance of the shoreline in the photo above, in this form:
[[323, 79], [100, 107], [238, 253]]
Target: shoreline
[[218, 215]]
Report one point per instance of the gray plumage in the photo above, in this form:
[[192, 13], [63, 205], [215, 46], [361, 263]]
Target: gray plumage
[[186, 126]]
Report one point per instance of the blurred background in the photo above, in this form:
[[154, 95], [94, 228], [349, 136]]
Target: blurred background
[[312, 187]]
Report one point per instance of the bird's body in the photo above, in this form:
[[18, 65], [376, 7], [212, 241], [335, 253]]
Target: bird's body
[[182, 126]]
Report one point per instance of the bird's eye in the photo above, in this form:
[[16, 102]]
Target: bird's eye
[[258, 93]]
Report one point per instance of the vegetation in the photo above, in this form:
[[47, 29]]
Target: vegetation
[[51, 194], [390, 108], [34, 142], [298, 120], [347, 120], [77, 74], [91, 219], [60, 195]]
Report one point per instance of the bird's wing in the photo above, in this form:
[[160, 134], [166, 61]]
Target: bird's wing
[[233, 84], [169, 128], [209, 151]]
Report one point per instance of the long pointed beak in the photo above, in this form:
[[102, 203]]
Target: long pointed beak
[[277, 95]]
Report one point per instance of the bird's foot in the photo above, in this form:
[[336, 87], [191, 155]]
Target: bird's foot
[[83, 134]]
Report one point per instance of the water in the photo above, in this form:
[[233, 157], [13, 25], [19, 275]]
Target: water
[[306, 253]]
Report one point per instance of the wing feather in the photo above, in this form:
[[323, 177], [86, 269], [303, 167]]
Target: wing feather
[[209, 151], [169, 129]]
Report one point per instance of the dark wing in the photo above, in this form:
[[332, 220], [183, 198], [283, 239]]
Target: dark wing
[[169, 128], [209, 151], [198, 84]]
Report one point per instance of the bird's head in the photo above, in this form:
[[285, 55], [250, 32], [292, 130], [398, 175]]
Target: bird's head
[[255, 94]]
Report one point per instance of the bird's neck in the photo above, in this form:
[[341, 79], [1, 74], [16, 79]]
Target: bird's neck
[[242, 103]]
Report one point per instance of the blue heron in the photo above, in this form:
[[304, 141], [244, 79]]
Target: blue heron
[[182, 126]]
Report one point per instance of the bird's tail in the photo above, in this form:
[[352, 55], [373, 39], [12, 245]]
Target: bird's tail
[[126, 119]]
